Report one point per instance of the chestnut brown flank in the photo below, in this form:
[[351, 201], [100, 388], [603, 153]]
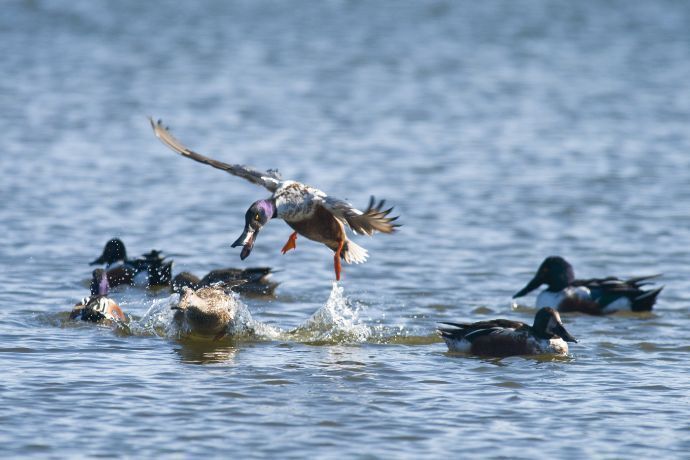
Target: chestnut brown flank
[[572, 304], [321, 227]]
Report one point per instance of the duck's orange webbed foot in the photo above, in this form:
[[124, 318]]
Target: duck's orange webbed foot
[[290, 243], [336, 260]]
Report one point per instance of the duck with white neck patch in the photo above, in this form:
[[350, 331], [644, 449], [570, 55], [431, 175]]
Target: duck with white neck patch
[[595, 296]]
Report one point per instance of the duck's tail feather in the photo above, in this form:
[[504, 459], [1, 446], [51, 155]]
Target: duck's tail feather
[[641, 280], [354, 254], [646, 300]]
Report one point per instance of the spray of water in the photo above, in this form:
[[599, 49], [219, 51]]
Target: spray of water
[[336, 322], [159, 320]]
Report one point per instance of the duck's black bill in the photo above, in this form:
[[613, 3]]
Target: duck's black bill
[[531, 286], [565, 335], [247, 241], [99, 261]]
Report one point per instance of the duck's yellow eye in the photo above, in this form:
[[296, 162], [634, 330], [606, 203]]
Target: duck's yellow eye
[[257, 217]]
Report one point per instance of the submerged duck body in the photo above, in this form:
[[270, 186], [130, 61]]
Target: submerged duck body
[[502, 337], [595, 296], [307, 210], [149, 270], [207, 312], [98, 307], [255, 281]]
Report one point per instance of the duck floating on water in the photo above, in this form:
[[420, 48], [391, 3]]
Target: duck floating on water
[[150, 270], [256, 281], [208, 312], [98, 307], [503, 337], [596, 296], [309, 211]]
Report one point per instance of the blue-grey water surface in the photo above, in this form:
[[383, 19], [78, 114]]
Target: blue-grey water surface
[[502, 131]]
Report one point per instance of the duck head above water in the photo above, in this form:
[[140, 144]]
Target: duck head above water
[[547, 325], [555, 272], [114, 251], [258, 214]]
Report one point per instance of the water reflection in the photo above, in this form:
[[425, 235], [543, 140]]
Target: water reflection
[[206, 352]]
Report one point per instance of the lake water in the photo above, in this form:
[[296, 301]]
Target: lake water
[[502, 131]]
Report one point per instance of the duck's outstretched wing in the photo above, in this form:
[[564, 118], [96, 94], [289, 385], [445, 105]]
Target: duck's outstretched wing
[[269, 179], [373, 219]]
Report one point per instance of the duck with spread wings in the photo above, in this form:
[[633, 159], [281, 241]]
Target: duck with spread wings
[[309, 211]]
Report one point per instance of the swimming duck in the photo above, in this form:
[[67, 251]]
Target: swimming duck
[[503, 337], [149, 270], [596, 296], [255, 280], [98, 306], [309, 211], [207, 312]]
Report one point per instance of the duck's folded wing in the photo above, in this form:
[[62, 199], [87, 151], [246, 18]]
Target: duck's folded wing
[[472, 331], [615, 286], [269, 179], [373, 219]]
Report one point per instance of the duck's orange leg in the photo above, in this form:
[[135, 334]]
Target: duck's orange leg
[[336, 260], [290, 243]]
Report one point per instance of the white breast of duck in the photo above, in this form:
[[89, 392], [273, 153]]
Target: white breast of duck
[[296, 201], [553, 299], [555, 345]]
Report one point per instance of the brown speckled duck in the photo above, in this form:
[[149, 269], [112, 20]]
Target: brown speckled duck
[[208, 312]]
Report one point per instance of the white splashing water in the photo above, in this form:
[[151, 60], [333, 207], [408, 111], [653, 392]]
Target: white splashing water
[[158, 320], [245, 324], [337, 321]]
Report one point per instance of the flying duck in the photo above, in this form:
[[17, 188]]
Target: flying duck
[[309, 211], [596, 296]]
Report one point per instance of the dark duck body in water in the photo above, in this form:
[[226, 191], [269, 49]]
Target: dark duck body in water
[[149, 270], [503, 337]]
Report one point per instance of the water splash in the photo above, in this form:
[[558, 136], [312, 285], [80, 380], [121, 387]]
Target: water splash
[[159, 320], [245, 324], [336, 322]]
